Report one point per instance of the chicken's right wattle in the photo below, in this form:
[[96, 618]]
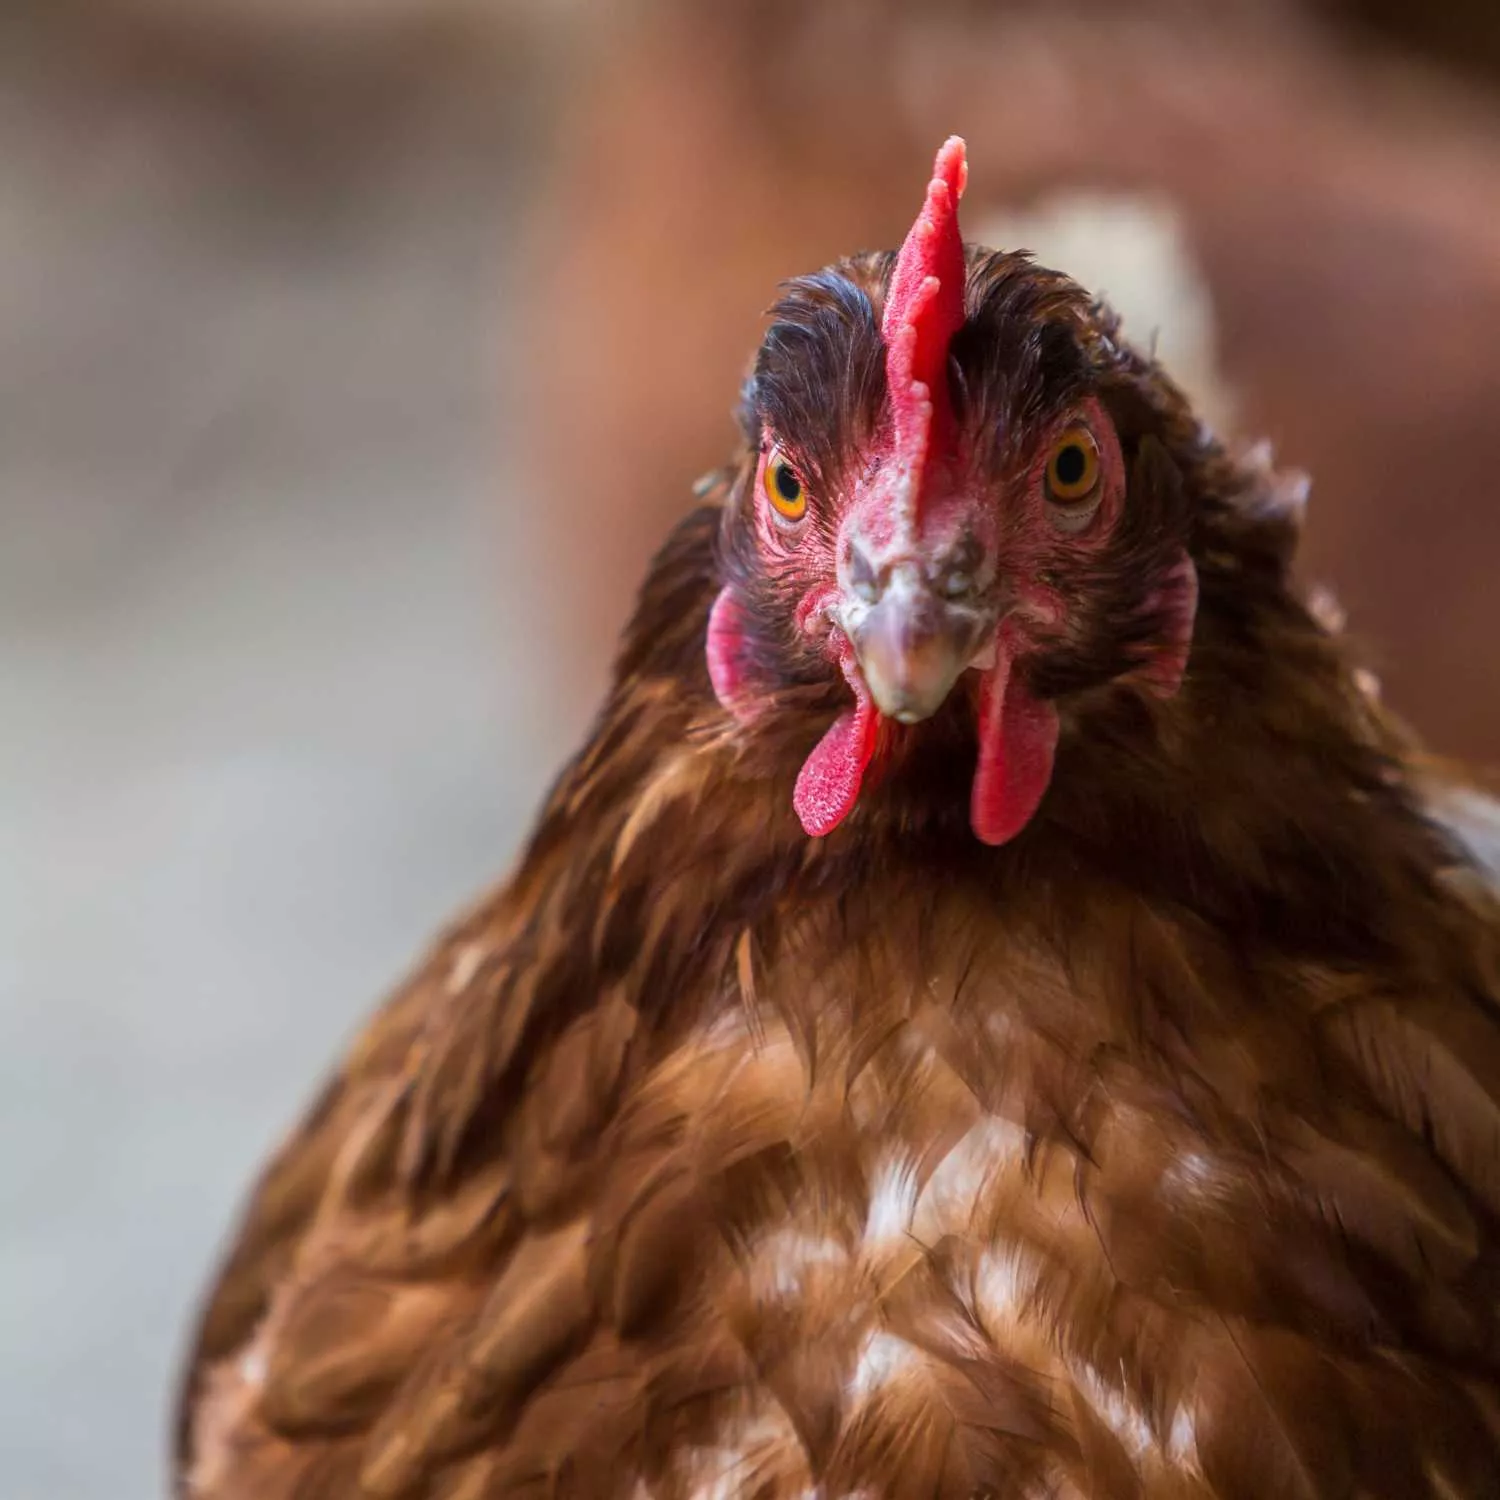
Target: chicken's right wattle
[[993, 1010]]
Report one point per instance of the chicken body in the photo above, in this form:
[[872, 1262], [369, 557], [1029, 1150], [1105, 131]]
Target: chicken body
[[1147, 1147]]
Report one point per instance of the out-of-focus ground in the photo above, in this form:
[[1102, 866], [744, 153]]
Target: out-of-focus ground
[[352, 359]]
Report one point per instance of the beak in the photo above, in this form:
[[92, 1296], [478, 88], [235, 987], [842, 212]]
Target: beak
[[913, 644]]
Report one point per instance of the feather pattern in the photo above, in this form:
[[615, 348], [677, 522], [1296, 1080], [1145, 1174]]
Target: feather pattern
[[1155, 1154]]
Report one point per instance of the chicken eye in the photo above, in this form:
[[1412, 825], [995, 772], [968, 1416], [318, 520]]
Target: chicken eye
[[784, 489], [1073, 468]]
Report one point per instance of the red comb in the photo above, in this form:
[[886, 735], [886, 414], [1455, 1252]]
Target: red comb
[[923, 310]]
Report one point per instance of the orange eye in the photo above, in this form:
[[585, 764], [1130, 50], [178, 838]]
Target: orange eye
[[784, 489], [1073, 467]]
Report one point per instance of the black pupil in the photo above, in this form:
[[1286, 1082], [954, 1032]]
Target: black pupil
[[788, 486], [1070, 465]]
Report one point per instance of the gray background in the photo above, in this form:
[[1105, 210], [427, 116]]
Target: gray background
[[272, 688]]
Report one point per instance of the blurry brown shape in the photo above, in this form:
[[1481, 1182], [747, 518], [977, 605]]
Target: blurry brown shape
[[1458, 33], [1346, 211]]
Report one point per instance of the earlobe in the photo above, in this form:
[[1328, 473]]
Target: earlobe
[[724, 647], [1176, 603]]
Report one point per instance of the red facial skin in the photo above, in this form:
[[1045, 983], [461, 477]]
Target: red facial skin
[[1025, 538]]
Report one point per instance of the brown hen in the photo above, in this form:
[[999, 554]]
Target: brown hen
[[993, 1009]]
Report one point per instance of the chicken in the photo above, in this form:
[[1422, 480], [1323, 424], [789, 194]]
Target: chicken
[[993, 1009]]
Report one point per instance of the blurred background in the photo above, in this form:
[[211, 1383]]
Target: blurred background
[[354, 355]]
